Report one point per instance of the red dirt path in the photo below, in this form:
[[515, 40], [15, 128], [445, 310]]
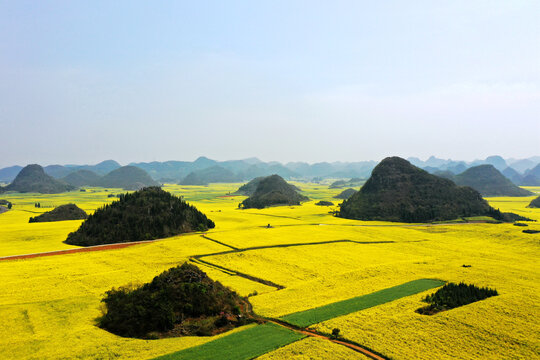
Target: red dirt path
[[320, 336], [72, 251]]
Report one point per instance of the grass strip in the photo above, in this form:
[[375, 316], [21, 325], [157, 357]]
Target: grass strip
[[330, 311], [242, 345]]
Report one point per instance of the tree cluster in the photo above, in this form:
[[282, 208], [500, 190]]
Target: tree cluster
[[454, 295], [324, 203]]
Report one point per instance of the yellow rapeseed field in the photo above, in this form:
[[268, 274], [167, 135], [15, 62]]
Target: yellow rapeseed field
[[48, 305], [313, 349]]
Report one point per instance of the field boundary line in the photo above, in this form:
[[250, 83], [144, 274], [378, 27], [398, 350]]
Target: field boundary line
[[198, 258], [204, 236], [237, 273], [262, 247]]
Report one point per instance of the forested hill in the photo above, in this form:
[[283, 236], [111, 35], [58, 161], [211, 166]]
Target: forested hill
[[399, 191], [32, 178], [487, 180], [126, 177], [273, 190], [149, 213]]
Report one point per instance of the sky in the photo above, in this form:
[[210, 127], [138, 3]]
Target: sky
[[85, 81]]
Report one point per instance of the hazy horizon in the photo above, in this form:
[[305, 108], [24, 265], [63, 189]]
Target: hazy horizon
[[263, 160], [350, 81]]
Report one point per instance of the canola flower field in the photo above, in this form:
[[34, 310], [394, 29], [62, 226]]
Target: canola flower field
[[48, 305]]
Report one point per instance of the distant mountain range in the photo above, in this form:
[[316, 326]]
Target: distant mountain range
[[33, 178], [204, 170]]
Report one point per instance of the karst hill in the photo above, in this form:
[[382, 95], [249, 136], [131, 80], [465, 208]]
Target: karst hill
[[345, 194], [535, 203], [354, 182], [149, 213], [62, 212], [399, 191], [128, 178], [33, 178], [213, 174], [271, 191], [487, 180], [249, 188], [81, 178]]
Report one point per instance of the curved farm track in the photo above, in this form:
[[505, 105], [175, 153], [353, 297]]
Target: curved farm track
[[343, 342]]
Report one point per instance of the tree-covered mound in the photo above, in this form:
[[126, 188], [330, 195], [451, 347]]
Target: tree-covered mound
[[213, 174], [182, 301], [324, 203], [249, 188], [62, 212], [535, 203], [345, 194], [452, 295], [128, 178], [488, 181], [33, 178], [273, 190], [150, 213], [399, 191], [81, 178]]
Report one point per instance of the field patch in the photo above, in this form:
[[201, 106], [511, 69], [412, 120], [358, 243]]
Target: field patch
[[241, 345], [327, 312]]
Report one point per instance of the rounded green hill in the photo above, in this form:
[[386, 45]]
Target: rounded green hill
[[535, 203], [271, 191], [149, 213], [128, 178], [399, 191], [345, 194], [33, 178], [81, 178], [62, 212], [182, 301], [488, 181]]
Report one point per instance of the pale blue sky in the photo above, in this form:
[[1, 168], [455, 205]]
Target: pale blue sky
[[84, 81]]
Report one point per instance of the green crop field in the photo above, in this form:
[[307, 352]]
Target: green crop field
[[330, 311], [241, 345]]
